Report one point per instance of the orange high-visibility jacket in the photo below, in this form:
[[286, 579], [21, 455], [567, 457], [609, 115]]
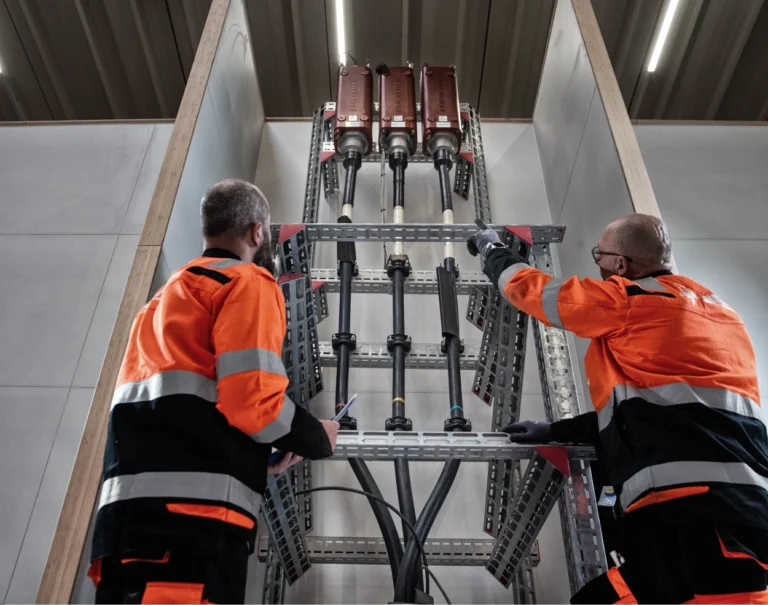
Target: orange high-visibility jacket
[[200, 401], [672, 377]]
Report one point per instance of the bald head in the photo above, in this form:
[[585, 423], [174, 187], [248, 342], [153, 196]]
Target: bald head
[[634, 246], [641, 237]]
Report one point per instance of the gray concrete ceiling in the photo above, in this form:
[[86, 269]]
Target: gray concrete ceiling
[[103, 59]]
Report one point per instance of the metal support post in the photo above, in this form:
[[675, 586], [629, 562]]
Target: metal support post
[[301, 358], [583, 539], [274, 587], [539, 488], [480, 180]]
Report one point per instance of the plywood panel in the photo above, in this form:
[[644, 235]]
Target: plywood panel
[[236, 96], [206, 164], [627, 149], [186, 120], [565, 95]]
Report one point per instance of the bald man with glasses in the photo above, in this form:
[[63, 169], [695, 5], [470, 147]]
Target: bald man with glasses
[[677, 424]]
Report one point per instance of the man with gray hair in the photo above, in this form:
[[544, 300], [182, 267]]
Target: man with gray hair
[[677, 423], [199, 404]]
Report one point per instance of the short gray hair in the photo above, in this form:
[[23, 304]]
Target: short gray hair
[[644, 238], [231, 206]]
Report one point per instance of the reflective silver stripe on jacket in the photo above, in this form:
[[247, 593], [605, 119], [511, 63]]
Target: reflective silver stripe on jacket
[[549, 296], [226, 262], [650, 283], [662, 476], [246, 360], [280, 426], [173, 382], [678, 393], [508, 273], [198, 486]]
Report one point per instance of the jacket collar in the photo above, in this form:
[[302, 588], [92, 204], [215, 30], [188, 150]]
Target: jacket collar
[[220, 253], [658, 273]]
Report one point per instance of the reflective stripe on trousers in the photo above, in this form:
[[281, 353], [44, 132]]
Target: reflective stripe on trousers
[[669, 474], [170, 485], [678, 393]]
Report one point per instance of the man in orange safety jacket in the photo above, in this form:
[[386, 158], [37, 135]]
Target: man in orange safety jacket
[[677, 423], [200, 403]]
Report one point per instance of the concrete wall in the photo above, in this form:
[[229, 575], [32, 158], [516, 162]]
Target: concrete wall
[[518, 195], [712, 186], [72, 200]]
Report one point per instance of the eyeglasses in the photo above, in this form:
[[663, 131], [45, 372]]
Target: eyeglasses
[[597, 254]]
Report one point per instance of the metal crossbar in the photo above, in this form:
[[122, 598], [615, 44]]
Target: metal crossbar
[[372, 551], [373, 281], [413, 232], [421, 356], [439, 446]]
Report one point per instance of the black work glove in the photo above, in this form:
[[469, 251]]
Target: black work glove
[[482, 242], [529, 431]]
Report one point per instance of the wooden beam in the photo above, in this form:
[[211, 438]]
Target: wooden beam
[[630, 158], [72, 529]]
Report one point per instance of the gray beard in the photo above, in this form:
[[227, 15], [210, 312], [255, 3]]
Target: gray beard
[[264, 259]]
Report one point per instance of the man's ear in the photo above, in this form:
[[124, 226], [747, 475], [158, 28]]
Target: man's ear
[[256, 235], [622, 267]]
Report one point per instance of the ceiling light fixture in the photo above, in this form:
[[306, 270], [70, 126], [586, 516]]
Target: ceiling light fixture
[[665, 25], [341, 41]]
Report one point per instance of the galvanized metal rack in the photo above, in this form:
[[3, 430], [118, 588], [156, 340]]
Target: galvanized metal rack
[[517, 503]]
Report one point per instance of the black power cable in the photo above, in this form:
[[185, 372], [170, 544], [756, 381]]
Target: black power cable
[[419, 543]]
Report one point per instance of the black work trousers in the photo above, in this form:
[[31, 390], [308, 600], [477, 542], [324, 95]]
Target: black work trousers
[[175, 577], [666, 563]]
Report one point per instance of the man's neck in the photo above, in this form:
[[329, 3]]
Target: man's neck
[[653, 271], [231, 248]]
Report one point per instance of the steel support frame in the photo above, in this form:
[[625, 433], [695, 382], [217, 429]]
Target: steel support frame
[[583, 539], [429, 446]]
